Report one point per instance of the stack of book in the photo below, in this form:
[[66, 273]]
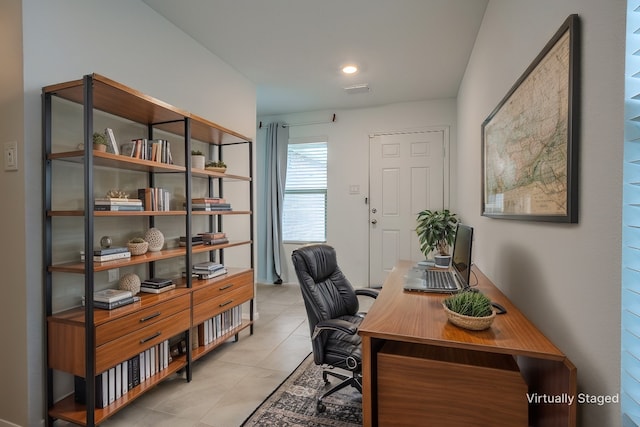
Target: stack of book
[[109, 254], [109, 299], [157, 285], [195, 240], [117, 204], [214, 238], [208, 270], [209, 204]]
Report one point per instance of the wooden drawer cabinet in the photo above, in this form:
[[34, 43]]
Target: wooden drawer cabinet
[[133, 343], [135, 321], [222, 296]]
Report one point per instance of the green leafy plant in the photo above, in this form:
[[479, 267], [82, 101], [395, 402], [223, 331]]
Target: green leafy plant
[[137, 240], [196, 153], [99, 138], [216, 164], [474, 304], [436, 231]]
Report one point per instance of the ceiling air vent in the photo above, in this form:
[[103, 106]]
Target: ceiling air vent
[[359, 88]]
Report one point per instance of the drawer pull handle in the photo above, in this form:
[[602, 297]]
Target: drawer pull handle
[[226, 303], [144, 340], [226, 287], [144, 319]]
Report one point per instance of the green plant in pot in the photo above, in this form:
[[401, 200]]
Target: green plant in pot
[[436, 231], [138, 246], [99, 141], [216, 165], [197, 159], [469, 310]]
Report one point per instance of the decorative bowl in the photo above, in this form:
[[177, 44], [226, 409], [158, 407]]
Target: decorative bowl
[[469, 322], [138, 248]]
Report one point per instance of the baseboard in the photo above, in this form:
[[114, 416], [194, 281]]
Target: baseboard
[[5, 423]]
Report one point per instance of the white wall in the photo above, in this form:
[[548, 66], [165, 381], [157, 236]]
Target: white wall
[[565, 278], [348, 164], [63, 40]]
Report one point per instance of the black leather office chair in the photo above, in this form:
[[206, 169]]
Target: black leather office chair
[[332, 310]]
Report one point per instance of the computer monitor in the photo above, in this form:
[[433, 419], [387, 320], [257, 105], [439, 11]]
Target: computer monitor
[[461, 261]]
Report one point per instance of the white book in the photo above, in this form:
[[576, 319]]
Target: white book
[[112, 140], [147, 363], [111, 295], [112, 385], [141, 366], [118, 381], [205, 335], [105, 388], [154, 365], [125, 377], [166, 354]]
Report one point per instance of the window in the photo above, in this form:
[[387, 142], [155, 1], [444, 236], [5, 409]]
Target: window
[[630, 351], [304, 216]]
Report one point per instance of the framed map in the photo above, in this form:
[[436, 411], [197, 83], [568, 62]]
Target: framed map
[[530, 140]]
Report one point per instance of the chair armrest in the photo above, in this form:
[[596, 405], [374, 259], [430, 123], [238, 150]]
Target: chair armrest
[[368, 292], [334, 325]]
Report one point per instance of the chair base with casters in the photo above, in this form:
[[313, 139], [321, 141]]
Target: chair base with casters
[[354, 380]]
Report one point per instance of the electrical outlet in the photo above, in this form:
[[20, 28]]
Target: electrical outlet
[[11, 156], [114, 274]]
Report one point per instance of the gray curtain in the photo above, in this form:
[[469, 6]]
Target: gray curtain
[[276, 173]]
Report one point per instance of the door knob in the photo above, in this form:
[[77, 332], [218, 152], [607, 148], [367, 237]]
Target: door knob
[[374, 221]]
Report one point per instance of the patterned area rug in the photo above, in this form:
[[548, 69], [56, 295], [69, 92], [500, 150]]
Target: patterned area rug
[[293, 403]]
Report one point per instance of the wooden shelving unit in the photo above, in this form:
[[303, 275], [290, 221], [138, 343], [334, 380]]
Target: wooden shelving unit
[[83, 341]]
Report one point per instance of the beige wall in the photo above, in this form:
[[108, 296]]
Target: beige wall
[[43, 43], [14, 399], [566, 278]]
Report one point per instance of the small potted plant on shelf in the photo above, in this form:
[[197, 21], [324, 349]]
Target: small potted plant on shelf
[[469, 310], [197, 159], [138, 246], [99, 141], [216, 166], [436, 231]]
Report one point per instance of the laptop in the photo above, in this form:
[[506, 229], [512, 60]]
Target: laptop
[[422, 279]]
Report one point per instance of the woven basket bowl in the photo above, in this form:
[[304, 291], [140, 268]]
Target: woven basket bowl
[[138, 248], [468, 322]]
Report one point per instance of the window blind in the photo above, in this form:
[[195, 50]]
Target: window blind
[[305, 198], [630, 342]]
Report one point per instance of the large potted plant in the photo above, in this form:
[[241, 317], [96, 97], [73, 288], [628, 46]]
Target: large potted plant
[[436, 231]]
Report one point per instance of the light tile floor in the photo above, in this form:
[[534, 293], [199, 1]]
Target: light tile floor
[[230, 382]]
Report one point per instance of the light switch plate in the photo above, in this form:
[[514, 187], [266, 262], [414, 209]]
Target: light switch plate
[[11, 156]]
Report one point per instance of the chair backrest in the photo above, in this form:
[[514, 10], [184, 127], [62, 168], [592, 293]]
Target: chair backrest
[[327, 293]]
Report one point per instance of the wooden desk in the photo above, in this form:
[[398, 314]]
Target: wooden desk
[[407, 317]]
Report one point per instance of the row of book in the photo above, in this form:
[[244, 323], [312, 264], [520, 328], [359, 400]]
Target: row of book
[[209, 238], [108, 299], [154, 198], [109, 254], [116, 382], [155, 150], [216, 327]]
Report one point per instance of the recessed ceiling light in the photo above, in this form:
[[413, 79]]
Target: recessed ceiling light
[[349, 69]]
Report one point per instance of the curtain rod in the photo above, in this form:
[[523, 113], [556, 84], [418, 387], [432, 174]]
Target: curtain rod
[[288, 125]]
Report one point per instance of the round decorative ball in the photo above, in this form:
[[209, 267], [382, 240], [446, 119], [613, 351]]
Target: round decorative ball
[[130, 282], [155, 239], [105, 242]]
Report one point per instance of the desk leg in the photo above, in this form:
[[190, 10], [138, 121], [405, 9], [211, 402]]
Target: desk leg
[[370, 348]]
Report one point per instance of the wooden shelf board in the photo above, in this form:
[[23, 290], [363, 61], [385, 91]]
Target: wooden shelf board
[[117, 213], [69, 410], [120, 161], [221, 212], [197, 353], [212, 174]]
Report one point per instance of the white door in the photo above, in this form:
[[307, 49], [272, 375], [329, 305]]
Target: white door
[[408, 173]]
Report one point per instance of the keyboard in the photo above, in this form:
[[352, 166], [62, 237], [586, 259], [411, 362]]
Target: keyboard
[[440, 280]]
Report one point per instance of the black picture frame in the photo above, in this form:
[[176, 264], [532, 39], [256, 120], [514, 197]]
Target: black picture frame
[[530, 140]]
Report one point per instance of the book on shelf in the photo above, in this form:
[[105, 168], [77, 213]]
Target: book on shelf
[[154, 198], [216, 241], [117, 208], [212, 235], [155, 150], [211, 274], [210, 206], [115, 304], [108, 251], [208, 266], [152, 290], [210, 200], [101, 391], [108, 257], [112, 140], [111, 295], [115, 201], [156, 282]]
